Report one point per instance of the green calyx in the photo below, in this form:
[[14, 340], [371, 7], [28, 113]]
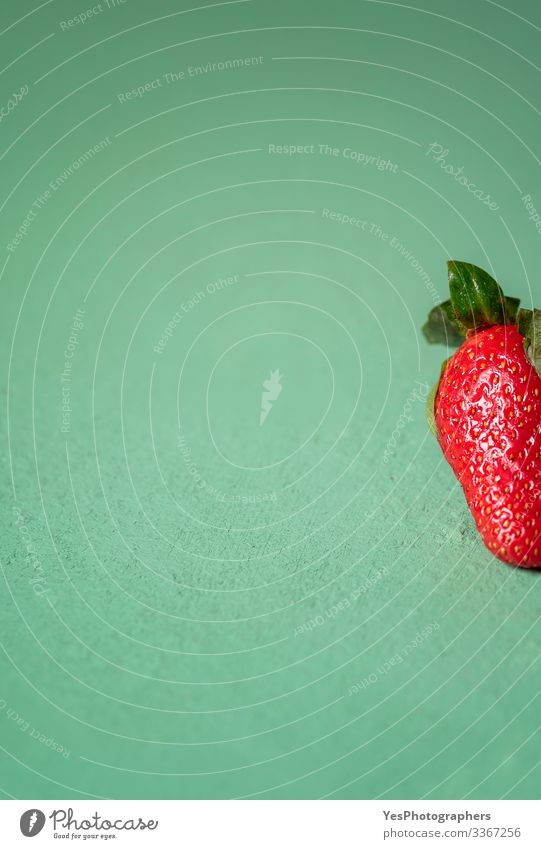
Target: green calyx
[[529, 324], [476, 303]]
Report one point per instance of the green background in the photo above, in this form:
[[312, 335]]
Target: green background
[[195, 605]]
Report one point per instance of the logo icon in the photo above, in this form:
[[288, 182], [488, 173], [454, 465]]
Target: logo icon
[[272, 388], [32, 822]]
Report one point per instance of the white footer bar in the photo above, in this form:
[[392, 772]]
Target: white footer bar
[[272, 824]]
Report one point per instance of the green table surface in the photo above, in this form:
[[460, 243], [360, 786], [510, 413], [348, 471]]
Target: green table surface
[[198, 199]]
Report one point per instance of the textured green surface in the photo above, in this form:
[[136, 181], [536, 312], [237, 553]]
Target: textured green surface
[[194, 604]]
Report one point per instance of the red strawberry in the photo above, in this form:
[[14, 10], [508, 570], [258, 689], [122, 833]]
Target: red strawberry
[[486, 410]]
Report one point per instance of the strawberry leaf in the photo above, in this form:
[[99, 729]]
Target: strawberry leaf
[[476, 302], [442, 328], [529, 324], [511, 310], [476, 298]]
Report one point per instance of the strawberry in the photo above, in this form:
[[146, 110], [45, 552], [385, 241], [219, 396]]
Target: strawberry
[[485, 410]]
